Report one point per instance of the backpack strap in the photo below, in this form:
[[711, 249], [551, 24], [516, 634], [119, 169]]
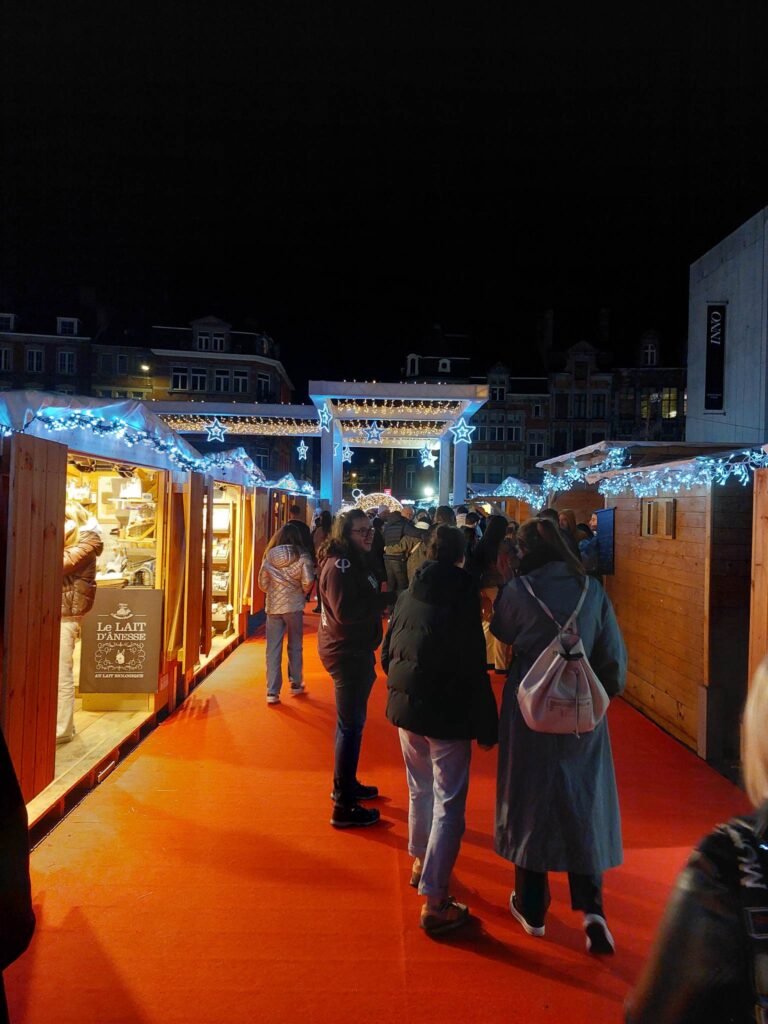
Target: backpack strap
[[574, 615], [753, 898]]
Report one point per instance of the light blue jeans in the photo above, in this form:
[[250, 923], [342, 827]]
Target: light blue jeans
[[277, 626], [438, 780]]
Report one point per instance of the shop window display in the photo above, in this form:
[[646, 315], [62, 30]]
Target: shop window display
[[224, 567], [112, 542]]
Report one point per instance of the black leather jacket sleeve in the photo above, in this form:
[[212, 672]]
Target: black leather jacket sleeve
[[699, 967]]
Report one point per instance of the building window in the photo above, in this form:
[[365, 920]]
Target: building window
[[221, 380], [65, 362], [179, 378], [217, 343], [198, 380], [561, 407], [410, 479], [203, 341], [122, 363], [627, 404], [669, 403], [597, 436], [537, 410], [5, 359], [657, 517], [260, 456], [598, 407], [560, 442], [579, 438], [67, 325], [444, 366], [137, 394], [263, 386], [34, 360], [648, 399], [498, 394], [105, 363], [536, 442], [240, 381], [580, 407], [650, 354], [412, 367], [7, 321], [481, 433], [514, 434], [580, 369]]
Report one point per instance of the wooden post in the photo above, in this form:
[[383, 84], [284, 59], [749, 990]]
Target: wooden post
[[758, 632], [207, 612], [34, 523], [193, 589]]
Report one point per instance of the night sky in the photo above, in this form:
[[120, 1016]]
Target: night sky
[[347, 175]]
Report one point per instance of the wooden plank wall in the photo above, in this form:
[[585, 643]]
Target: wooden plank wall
[[193, 576], [32, 606], [729, 614], [207, 609], [583, 501], [261, 535], [758, 628], [660, 593]]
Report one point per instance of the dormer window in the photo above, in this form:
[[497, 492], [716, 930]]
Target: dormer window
[[217, 342], [650, 354], [67, 326], [7, 321], [412, 366], [444, 366], [203, 341]]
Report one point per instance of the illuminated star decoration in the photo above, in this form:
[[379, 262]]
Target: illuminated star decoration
[[374, 432], [427, 456], [462, 432], [346, 455], [302, 449], [325, 416], [216, 430]]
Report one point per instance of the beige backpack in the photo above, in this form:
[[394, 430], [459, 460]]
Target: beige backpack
[[560, 692]]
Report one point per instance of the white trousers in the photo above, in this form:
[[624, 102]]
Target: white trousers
[[65, 716]]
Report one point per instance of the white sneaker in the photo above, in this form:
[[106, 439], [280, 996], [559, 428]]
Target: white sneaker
[[299, 691], [599, 939], [518, 914], [272, 698]]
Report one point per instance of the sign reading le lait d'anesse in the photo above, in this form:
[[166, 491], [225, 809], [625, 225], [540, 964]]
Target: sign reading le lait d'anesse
[[121, 642]]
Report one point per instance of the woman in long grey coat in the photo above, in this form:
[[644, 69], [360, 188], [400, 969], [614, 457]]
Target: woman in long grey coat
[[557, 808]]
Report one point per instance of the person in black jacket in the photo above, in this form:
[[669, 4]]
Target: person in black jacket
[[17, 919], [440, 698], [350, 631], [704, 967], [400, 538]]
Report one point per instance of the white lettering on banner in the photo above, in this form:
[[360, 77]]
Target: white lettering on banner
[[716, 326], [343, 564]]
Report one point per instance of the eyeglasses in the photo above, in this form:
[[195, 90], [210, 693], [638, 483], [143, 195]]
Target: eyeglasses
[[366, 532]]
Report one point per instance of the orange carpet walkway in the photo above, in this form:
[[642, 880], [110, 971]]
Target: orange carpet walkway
[[201, 882]]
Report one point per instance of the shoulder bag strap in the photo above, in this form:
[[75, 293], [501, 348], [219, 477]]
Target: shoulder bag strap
[[574, 615], [753, 897]]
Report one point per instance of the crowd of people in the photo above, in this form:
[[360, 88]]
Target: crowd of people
[[445, 583]]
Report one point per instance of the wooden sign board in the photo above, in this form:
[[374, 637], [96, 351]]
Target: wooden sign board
[[121, 637]]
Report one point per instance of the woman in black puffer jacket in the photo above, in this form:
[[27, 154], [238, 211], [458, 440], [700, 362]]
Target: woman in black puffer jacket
[[440, 699]]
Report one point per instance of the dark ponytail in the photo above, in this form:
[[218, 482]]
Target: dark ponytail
[[445, 544], [540, 534]]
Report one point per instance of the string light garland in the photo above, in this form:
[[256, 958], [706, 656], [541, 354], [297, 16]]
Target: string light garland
[[572, 475], [374, 408], [514, 488], [132, 437], [369, 501], [702, 471], [264, 426]]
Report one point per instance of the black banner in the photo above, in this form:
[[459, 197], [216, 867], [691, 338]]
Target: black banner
[[714, 384], [606, 522]]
